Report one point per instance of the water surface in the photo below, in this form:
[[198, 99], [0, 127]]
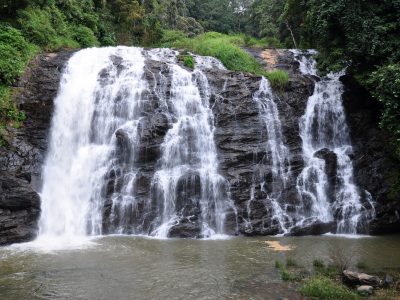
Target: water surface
[[123, 267]]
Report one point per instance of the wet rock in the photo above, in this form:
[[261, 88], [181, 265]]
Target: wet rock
[[188, 193], [185, 230], [388, 280], [375, 166], [330, 167], [22, 159], [19, 210], [354, 278], [387, 219], [315, 228], [365, 290]]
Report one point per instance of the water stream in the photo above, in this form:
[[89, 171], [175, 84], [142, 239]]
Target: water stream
[[329, 194]]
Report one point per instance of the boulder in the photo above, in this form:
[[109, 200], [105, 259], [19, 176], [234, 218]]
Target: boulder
[[365, 290], [354, 278], [185, 230], [315, 228]]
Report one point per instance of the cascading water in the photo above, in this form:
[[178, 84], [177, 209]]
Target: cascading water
[[277, 158], [328, 195], [96, 98], [189, 155], [91, 170]]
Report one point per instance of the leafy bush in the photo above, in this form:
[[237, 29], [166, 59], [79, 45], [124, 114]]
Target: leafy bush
[[152, 32], [36, 25], [9, 112], [171, 36], [10, 64], [288, 276], [189, 25], [84, 36], [188, 61], [15, 52], [384, 84], [46, 28], [325, 288], [318, 263]]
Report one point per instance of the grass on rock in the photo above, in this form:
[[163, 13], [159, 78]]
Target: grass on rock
[[226, 48]]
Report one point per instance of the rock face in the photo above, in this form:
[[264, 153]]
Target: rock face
[[240, 137], [22, 158], [19, 210], [354, 278]]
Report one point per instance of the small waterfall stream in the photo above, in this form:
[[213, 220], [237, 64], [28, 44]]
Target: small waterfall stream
[[277, 158], [189, 154], [328, 192]]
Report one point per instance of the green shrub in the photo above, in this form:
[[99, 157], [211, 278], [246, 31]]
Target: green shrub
[[170, 37], [15, 52], [46, 28], [37, 26], [318, 263], [291, 262], [384, 85], [84, 36], [4, 100], [188, 61], [14, 38], [324, 288], [278, 79], [9, 113], [11, 64], [288, 276]]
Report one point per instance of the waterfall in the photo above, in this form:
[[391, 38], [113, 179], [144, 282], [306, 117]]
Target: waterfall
[[95, 99], [277, 158], [189, 154], [326, 184], [92, 168]]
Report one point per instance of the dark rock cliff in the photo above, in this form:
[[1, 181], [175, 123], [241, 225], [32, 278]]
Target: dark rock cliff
[[240, 137], [21, 160]]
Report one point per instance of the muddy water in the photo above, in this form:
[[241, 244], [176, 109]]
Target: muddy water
[[122, 267]]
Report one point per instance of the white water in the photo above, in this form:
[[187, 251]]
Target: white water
[[189, 153], [277, 157], [93, 141], [323, 126], [82, 138]]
